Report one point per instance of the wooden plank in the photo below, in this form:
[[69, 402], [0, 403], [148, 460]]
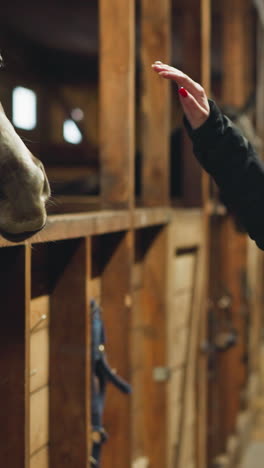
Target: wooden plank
[[178, 340], [237, 57], [191, 64], [116, 304], [39, 359], [70, 226], [229, 259], [175, 387], [174, 415], [187, 229], [14, 357], [183, 271], [39, 312], [40, 459], [201, 384], [70, 357], [232, 368], [149, 349], [117, 102], [137, 276], [39, 419], [255, 290], [144, 217], [155, 102], [191, 358], [179, 307]]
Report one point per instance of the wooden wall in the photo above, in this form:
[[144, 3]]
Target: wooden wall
[[148, 267]]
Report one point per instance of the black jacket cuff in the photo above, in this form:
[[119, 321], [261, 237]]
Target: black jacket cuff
[[212, 127]]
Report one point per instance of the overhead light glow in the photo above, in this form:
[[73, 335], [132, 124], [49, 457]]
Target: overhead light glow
[[71, 133], [24, 108]]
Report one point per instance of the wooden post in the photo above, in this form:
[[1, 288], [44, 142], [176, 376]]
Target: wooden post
[[116, 249], [117, 83], [14, 356], [202, 363], [148, 342], [231, 253], [70, 357], [192, 65], [237, 86], [155, 102]]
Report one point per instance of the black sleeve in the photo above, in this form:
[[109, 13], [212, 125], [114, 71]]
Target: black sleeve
[[231, 160]]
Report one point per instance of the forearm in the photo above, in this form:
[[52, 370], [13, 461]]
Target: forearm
[[225, 154]]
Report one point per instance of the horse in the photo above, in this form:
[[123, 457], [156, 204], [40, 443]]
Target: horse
[[24, 187]]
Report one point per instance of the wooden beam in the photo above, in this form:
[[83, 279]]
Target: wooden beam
[[155, 102], [202, 359], [228, 247], [70, 356], [237, 65], [14, 357], [191, 43], [237, 56], [116, 252], [148, 353], [117, 90]]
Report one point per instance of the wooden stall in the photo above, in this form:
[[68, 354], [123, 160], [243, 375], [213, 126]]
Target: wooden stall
[[134, 224]]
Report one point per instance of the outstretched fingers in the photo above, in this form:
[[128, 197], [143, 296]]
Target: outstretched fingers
[[192, 95], [179, 77]]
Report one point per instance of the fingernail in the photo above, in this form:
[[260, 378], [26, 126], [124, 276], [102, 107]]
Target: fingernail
[[183, 92], [158, 61]]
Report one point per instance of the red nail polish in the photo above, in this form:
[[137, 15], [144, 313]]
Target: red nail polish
[[183, 92]]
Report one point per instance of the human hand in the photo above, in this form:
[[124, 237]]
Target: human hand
[[192, 95]]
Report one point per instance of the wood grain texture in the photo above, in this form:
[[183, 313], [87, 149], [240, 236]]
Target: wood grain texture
[[39, 359], [39, 419], [228, 246], [40, 459], [192, 65], [39, 313], [185, 296], [116, 250], [148, 335], [117, 102], [190, 415], [201, 377], [72, 226], [155, 102], [70, 357]]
